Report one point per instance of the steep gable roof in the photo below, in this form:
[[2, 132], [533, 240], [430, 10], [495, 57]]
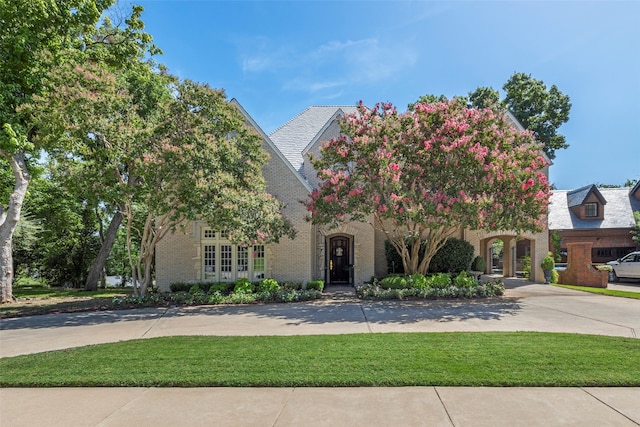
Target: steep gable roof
[[578, 197], [269, 142], [619, 213], [295, 136]]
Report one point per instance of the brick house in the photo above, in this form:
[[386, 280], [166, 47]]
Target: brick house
[[348, 255], [600, 216]]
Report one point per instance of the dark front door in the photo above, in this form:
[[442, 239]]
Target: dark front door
[[339, 268]]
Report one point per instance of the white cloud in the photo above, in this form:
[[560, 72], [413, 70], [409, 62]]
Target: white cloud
[[333, 64]]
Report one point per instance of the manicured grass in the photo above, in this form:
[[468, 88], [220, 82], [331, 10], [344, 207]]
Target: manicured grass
[[41, 292], [398, 359], [603, 291]]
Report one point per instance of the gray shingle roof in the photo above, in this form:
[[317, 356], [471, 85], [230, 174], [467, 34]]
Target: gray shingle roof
[[618, 213], [294, 136]]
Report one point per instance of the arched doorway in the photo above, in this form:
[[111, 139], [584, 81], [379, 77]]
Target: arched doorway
[[340, 260]]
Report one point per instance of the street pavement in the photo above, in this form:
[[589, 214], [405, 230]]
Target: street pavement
[[526, 306]]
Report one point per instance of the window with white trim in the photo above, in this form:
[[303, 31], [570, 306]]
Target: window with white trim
[[209, 262], [223, 261], [258, 262], [243, 262], [226, 262]]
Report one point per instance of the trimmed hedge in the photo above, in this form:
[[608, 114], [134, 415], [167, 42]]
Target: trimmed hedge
[[206, 287], [455, 256], [317, 285], [466, 289]]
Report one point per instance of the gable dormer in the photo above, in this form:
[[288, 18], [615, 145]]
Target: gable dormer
[[587, 203]]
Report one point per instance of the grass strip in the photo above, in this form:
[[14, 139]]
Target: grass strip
[[602, 291], [392, 359]]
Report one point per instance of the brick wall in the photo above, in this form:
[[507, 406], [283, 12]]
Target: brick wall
[[579, 270]]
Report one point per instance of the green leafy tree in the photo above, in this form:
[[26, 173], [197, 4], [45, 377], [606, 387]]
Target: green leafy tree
[[537, 108], [484, 97], [160, 150], [34, 34], [424, 174]]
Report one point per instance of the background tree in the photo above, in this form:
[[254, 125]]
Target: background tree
[[540, 110], [34, 33], [423, 175]]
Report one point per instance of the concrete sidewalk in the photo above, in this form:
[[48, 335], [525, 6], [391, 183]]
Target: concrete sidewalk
[[406, 406], [525, 307]]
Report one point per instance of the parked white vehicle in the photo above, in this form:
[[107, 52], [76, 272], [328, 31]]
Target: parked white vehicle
[[628, 266]]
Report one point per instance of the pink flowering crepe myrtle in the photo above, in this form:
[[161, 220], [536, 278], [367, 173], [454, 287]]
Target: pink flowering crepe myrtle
[[428, 172]]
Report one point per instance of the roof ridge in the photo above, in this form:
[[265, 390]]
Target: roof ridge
[[290, 120]]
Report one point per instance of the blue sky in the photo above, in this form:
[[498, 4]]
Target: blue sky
[[279, 57]]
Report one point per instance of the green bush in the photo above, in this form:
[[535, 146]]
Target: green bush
[[455, 256], [222, 287], [478, 264], [195, 289], [548, 263], [180, 287], [291, 286], [439, 280], [206, 287], [464, 280], [268, 285], [243, 286], [476, 290], [555, 276], [317, 285], [394, 282], [417, 281]]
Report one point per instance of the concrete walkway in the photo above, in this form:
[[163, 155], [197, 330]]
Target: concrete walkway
[[525, 307]]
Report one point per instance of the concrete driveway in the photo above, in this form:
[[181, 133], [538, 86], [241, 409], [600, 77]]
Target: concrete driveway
[[526, 306]]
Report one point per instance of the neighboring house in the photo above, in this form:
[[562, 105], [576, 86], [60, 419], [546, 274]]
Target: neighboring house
[[348, 255], [601, 216]]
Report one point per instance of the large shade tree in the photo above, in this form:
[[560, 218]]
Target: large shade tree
[[422, 175], [161, 150], [34, 33]]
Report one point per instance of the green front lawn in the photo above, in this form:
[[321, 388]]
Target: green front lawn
[[602, 291], [398, 359]]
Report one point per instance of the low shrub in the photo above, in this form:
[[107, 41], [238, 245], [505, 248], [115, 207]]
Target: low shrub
[[291, 286], [394, 282], [206, 287], [180, 287], [464, 280], [477, 290], [222, 287], [243, 286], [555, 276], [478, 264], [267, 285], [317, 285], [439, 280], [418, 281]]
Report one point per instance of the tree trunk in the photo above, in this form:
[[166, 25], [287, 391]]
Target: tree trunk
[[95, 273], [9, 221]]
